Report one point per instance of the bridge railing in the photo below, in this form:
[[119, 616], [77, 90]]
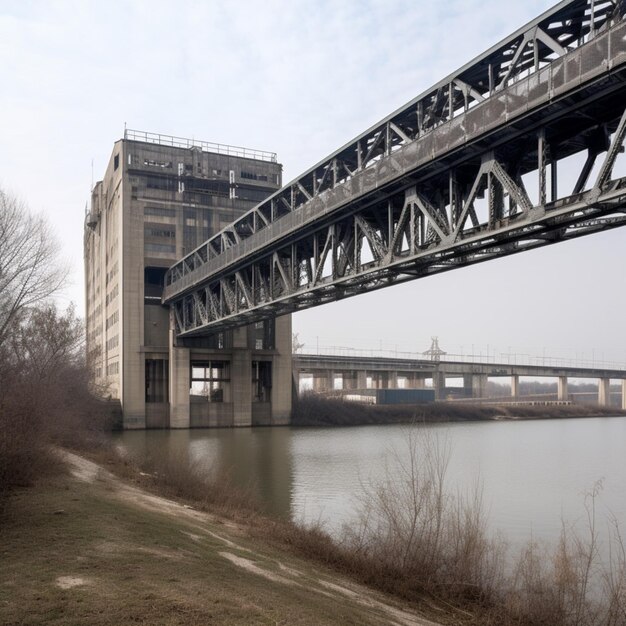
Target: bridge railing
[[205, 146], [478, 356]]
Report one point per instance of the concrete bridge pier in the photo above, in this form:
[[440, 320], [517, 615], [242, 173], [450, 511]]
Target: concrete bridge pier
[[479, 385], [413, 381], [604, 392], [179, 383], [349, 380], [514, 386], [467, 385], [624, 394], [439, 383], [562, 391], [323, 381], [240, 376], [392, 380], [361, 379]]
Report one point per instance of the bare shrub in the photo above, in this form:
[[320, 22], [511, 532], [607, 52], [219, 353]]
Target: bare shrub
[[571, 585], [614, 579], [411, 523]]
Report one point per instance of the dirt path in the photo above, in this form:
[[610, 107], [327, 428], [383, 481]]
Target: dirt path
[[199, 528]]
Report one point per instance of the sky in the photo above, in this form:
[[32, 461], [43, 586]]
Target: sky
[[300, 78]]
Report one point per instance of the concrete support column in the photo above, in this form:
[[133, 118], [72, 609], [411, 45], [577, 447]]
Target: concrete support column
[[392, 380], [479, 385], [361, 379], [179, 385], [281, 372], [439, 383], [562, 395], [624, 394], [418, 383], [241, 386], [514, 386], [347, 380], [468, 385], [604, 392], [319, 382], [241, 378]]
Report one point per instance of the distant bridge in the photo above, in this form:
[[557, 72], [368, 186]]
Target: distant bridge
[[465, 172], [360, 373]]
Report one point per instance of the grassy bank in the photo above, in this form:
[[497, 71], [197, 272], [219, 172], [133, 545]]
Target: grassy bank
[[90, 548], [314, 410]]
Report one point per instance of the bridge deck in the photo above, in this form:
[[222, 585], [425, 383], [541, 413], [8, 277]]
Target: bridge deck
[[310, 362]]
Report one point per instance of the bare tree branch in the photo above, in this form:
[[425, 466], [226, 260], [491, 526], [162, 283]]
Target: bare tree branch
[[30, 270]]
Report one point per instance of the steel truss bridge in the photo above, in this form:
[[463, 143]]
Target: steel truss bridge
[[466, 172]]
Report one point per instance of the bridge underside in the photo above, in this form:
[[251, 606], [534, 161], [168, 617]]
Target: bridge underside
[[482, 184]]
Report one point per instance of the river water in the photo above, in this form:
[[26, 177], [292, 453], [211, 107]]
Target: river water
[[533, 474]]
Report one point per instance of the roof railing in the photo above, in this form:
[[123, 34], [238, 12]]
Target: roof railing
[[205, 146]]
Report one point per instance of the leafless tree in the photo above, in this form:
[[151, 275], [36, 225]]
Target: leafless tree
[[30, 268]]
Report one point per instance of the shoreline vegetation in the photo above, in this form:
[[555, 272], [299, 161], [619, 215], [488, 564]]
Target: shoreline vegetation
[[314, 410], [424, 553]]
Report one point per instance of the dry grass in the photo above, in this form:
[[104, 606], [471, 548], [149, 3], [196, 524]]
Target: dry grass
[[76, 553]]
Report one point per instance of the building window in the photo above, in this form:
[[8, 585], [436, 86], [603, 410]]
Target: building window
[[159, 248], [210, 381], [165, 184], [160, 211], [157, 380], [116, 161], [261, 335], [261, 381], [163, 232]]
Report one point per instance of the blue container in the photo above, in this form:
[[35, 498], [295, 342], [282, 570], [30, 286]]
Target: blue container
[[405, 396]]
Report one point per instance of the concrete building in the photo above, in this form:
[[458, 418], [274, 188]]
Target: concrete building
[[160, 198]]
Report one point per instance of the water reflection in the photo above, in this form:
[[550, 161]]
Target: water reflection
[[258, 459]]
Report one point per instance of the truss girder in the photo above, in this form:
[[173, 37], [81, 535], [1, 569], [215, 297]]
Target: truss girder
[[342, 272], [410, 197]]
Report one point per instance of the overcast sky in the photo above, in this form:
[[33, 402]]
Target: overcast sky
[[301, 78]]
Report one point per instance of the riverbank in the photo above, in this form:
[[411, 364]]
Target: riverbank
[[112, 542], [89, 547], [314, 410]]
